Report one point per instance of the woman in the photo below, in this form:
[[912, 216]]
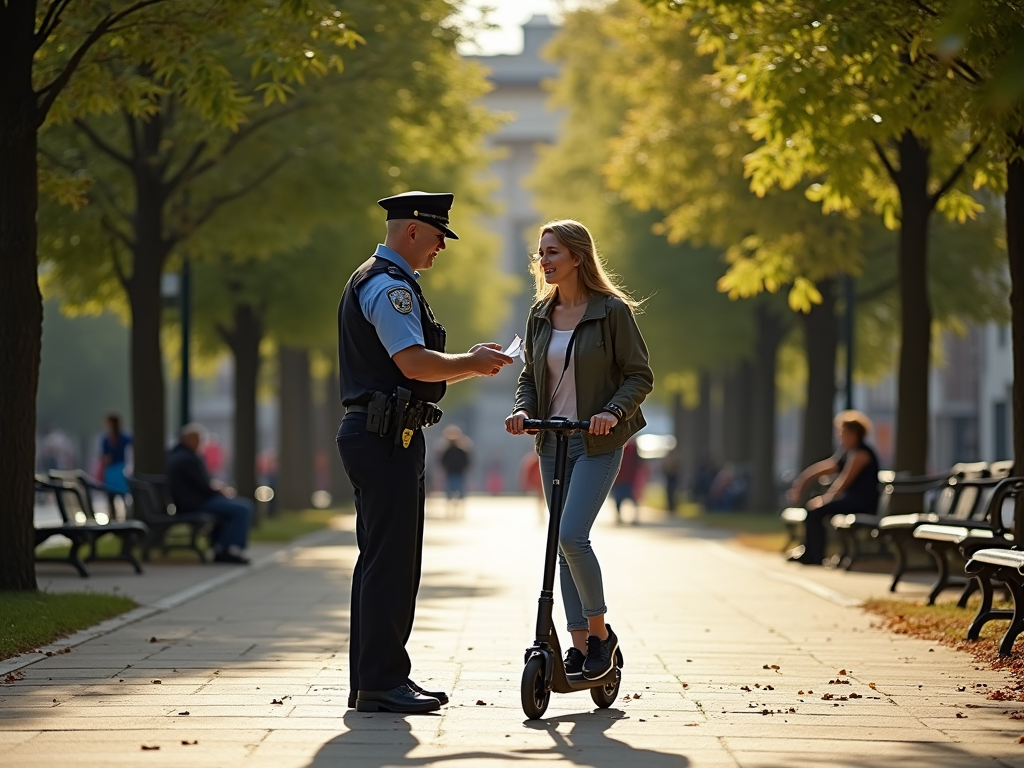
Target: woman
[[114, 448], [855, 489], [585, 359]]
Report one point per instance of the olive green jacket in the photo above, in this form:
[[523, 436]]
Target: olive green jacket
[[610, 361]]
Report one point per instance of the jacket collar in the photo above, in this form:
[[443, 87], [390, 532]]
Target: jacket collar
[[596, 307]]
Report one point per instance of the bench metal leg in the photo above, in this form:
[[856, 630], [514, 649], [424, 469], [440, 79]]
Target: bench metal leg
[[983, 575], [900, 567], [942, 563], [76, 559], [969, 589], [1017, 622]]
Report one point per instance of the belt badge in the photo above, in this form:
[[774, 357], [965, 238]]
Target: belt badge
[[406, 437]]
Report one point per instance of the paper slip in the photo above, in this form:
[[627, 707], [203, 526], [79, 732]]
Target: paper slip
[[516, 349]]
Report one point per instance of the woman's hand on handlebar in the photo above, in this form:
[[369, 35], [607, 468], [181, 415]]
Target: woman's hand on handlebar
[[514, 424], [602, 423]]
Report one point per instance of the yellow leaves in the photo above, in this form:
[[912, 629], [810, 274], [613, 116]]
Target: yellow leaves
[[275, 91], [803, 295]]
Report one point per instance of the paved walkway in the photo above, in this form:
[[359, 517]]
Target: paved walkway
[[255, 670]]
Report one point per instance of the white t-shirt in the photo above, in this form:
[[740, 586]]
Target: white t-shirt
[[563, 399]]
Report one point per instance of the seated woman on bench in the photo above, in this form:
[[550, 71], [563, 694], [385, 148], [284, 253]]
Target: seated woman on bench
[[855, 489]]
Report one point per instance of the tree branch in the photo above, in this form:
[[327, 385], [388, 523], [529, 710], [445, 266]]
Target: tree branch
[[953, 177], [221, 200], [879, 290], [251, 128], [893, 173], [197, 151], [50, 21], [113, 234], [55, 86], [101, 145]]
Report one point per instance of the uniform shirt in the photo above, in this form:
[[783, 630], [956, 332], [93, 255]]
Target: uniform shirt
[[391, 306]]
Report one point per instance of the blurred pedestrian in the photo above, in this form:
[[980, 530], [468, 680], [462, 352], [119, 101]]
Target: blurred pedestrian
[[671, 471], [114, 449], [625, 486], [855, 489], [530, 481], [193, 490], [456, 457], [585, 358]]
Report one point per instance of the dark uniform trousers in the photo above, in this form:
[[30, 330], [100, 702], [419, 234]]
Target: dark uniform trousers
[[389, 494]]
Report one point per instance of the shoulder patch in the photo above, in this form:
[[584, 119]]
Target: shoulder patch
[[401, 299]]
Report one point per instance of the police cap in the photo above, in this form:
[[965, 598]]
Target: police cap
[[429, 207]]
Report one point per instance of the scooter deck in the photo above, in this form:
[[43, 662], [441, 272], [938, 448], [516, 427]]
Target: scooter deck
[[567, 685]]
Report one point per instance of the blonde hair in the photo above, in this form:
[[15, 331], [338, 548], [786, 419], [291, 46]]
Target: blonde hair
[[592, 272], [854, 419]]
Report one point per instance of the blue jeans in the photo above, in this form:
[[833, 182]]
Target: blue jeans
[[233, 517], [587, 481]]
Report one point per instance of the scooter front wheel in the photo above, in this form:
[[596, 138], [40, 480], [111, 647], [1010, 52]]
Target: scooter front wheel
[[534, 689]]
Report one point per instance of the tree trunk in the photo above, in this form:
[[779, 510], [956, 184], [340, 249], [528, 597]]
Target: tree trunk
[[736, 412], [21, 305], [295, 454], [1015, 249], [915, 307], [151, 249], [147, 372], [821, 342], [341, 488], [770, 330], [244, 340]]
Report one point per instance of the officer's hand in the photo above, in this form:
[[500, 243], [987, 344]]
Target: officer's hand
[[602, 423], [487, 359], [514, 423]]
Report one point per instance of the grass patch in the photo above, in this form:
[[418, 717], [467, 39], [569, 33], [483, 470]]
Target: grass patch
[[759, 530], [946, 624], [286, 526], [29, 620]]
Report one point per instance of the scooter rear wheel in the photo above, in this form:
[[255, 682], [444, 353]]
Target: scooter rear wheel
[[605, 695], [534, 689]]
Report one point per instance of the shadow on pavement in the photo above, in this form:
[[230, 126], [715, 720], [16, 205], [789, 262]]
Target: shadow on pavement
[[378, 740], [590, 745]]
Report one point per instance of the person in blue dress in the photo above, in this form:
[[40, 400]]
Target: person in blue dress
[[114, 458]]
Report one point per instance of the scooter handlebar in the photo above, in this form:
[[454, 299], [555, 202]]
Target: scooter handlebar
[[542, 425]]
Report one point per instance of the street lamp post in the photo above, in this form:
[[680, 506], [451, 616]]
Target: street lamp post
[[184, 297], [848, 295]]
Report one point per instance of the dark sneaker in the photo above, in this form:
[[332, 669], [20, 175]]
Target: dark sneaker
[[600, 655], [573, 663]]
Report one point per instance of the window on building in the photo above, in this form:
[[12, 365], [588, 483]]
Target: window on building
[[1000, 433]]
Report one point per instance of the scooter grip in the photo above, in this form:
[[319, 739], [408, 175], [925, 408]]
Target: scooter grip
[[555, 424]]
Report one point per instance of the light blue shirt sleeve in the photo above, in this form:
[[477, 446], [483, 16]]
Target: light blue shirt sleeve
[[396, 330]]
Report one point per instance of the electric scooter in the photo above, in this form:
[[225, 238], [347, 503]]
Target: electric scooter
[[544, 671]]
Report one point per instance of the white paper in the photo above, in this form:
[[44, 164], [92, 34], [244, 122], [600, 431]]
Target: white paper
[[516, 349]]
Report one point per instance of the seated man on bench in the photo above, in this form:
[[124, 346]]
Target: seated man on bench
[[192, 490], [854, 490]]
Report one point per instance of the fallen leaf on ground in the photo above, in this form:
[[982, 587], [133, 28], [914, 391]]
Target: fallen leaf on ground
[[190, 743], [842, 672], [961, 715], [146, 748], [277, 701], [745, 688], [481, 703], [158, 682], [186, 712], [154, 640]]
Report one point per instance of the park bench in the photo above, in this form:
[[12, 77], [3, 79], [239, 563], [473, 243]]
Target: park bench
[[88, 487], [81, 530], [999, 565], [959, 498], [151, 504], [951, 541]]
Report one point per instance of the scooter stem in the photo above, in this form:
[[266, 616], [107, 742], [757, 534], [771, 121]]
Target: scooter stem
[[547, 595]]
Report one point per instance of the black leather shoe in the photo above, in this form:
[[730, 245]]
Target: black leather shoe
[[573, 663], [401, 699], [600, 655], [228, 557], [441, 696]]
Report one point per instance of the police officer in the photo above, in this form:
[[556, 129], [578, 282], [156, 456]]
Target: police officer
[[393, 372]]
